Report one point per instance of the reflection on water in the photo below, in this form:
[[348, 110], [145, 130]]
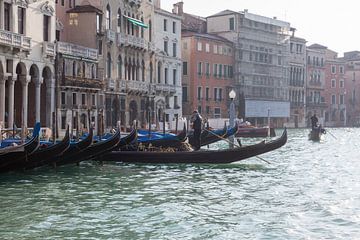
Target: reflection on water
[[309, 191]]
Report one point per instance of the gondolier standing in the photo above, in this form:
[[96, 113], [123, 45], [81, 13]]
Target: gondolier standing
[[196, 120], [314, 121]]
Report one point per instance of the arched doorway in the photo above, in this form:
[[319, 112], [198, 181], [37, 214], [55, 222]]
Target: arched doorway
[[115, 112], [45, 101], [34, 73], [18, 93], [133, 110]]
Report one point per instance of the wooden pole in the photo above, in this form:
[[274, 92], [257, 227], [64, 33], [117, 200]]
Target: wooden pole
[[176, 124], [54, 128], [149, 122], [164, 123]]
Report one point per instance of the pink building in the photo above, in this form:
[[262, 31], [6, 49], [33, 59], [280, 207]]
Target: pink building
[[335, 90]]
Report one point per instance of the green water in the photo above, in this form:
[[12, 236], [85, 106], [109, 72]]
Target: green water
[[309, 191]]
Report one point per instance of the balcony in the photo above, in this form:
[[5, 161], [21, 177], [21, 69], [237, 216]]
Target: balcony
[[131, 86], [49, 49], [111, 83], [15, 40], [121, 39], [151, 47], [77, 51], [110, 35], [136, 42], [81, 82]]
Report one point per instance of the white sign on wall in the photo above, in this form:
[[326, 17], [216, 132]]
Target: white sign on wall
[[258, 108]]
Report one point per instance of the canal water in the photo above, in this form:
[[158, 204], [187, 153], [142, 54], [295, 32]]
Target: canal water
[[309, 191]]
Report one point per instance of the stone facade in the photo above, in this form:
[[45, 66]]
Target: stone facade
[[27, 51], [167, 34], [261, 62]]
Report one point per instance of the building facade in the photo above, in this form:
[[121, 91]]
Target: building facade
[[27, 51], [167, 34], [315, 83], [335, 91], [261, 63], [208, 73], [297, 80]]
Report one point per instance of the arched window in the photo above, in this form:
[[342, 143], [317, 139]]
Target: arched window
[[133, 27], [143, 71], [151, 72], [108, 66], [119, 67], [93, 71], [150, 31], [159, 72], [84, 70], [107, 16], [74, 69], [119, 20], [128, 25]]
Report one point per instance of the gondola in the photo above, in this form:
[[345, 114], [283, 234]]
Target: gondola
[[128, 142], [94, 150], [197, 157], [169, 140], [316, 134], [44, 156], [19, 154]]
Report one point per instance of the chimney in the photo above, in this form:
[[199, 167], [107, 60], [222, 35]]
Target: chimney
[[178, 8]]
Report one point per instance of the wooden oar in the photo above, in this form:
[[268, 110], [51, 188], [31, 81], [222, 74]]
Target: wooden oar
[[331, 134], [227, 140]]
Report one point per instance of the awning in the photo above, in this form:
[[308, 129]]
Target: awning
[[136, 22]]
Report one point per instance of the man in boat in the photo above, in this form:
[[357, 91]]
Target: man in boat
[[196, 120], [314, 121]]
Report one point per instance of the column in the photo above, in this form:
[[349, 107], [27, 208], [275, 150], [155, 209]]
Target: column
[[11, 102], [52, 101], [2, 15], [25, 91], [37, 99], [2, 101]]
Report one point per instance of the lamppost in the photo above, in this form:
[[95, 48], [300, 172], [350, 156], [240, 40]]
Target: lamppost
[[232, 95]]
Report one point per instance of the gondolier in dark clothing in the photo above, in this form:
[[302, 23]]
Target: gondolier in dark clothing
[[314, 121], [196, 120]]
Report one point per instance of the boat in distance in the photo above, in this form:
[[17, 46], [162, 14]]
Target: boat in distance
[[196, 157]]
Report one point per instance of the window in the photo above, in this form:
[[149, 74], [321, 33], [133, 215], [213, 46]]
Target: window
[[7, 16], [119, 67], [100, 46], [174, 76], [174, 49], [150, 30], [63, 98], [174, 27], [207, 69], [333, 69], [217, 112], [119, 20], [83, 99], [215, 70], [165, 25], [341, 69], [176, 105], [184, 94], [342, 83], [333, 99], [107, 16], [185, 72], [207, 94], [333, 83], [199, 68], [215, 94], [231, 24], [166, 75], [21, 20], [166, 47], [93, 99], [207, 110], [220, 94], [279, 60], [70, 3], [199, 46], [46, 28], [207, 47], [341, 99], [62, 2], [220, 70], [199, 109], [57, 35], [108, 66], [215, 49], [199, 93], [98, 23], [74, 99]]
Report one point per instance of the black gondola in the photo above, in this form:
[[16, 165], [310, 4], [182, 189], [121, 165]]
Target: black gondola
[[316, 134], [197, 157], [44, 156], [19, 154], [93, 150], [128, 142]]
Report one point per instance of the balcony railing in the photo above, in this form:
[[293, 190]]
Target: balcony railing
[[121, 39], [110, 35], [15, 40], [136, 42], [49, 49], [134, 86], [76, 50]]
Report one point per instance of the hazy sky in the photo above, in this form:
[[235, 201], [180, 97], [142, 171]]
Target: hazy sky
[[334, 24]]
